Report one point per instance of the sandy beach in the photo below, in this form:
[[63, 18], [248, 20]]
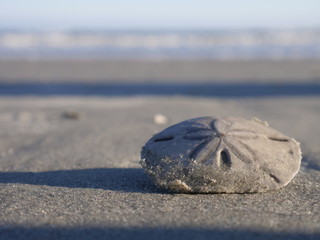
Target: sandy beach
[[71, 134], [144, 71]]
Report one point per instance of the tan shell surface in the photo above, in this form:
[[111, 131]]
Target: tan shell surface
[[231, 155]]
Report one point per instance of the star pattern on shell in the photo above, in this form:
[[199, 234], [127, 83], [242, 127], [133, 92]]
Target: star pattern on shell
[[219, 139]]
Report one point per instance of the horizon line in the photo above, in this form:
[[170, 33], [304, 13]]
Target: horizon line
[[155, 29]]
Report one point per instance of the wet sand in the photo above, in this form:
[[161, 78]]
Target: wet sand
[[141, 71], [69, 159]]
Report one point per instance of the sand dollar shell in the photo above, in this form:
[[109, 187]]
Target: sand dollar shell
[[231, 155]]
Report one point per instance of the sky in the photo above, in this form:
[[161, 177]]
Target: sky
[[164, 14]]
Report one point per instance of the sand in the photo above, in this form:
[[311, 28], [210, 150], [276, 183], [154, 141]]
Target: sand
[[155, 71], [79, 177]]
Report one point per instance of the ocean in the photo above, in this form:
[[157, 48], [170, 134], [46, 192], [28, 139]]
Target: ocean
[[210, 44]]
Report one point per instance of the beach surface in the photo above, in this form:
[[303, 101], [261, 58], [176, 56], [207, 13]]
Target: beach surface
[[71, 134]]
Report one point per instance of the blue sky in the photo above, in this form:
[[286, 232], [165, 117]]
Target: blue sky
[[161, 14]]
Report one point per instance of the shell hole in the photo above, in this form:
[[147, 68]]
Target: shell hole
[[278, 139], [163, 139], [225, 159], [274, 178]]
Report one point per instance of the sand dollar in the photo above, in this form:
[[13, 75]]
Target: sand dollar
[[222, 155]]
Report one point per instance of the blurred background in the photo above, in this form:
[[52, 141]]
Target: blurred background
[[164, 29], [155, 41]]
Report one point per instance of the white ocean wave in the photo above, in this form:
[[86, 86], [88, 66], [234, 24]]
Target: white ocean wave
[[289, 42]]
